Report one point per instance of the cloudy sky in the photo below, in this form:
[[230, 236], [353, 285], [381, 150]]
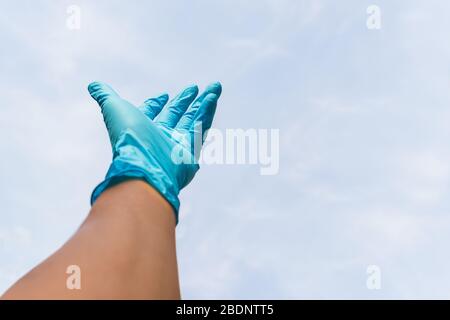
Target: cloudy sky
[[364, 138]]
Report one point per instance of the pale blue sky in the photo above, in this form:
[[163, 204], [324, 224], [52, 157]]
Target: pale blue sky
[[364, 135]]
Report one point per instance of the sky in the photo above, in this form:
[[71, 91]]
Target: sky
[[364, 138]]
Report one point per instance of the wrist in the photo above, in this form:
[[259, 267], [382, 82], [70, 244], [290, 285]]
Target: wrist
[[140, 201], [128, 165]]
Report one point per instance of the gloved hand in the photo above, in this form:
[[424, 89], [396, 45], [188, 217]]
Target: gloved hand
[[157, 142]]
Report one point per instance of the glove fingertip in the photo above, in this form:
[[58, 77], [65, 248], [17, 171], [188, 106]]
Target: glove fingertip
[[100, 91], [93, 87], [163, 98], [215, 87], [191, 90]]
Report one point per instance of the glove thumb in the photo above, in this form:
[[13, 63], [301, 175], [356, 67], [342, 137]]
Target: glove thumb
[[101, 92]]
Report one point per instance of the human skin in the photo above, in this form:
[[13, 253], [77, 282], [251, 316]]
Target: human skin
[[125, 249]]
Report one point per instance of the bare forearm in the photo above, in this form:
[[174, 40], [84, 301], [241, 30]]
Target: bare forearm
[[125, 249]]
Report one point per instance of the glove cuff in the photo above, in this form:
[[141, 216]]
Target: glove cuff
[[128, 165]]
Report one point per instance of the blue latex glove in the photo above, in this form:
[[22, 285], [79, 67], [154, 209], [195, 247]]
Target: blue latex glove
[[155, 141]]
